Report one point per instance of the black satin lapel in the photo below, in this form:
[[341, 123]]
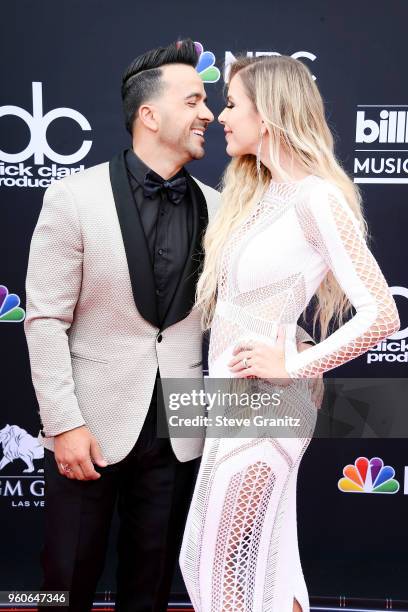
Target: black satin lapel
[[184, 296], [134, 240]]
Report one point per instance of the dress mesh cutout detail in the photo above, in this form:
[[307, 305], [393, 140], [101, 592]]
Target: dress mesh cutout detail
[[240, 550]]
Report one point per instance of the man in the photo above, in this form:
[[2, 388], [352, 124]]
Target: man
[[111, 281]]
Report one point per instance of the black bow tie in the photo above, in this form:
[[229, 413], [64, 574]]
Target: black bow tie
[[175, 189]]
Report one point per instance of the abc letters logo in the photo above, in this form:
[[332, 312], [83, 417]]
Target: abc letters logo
[[38, 125]]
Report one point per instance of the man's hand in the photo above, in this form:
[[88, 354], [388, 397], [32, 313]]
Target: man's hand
[[316, 384], [75, 453]]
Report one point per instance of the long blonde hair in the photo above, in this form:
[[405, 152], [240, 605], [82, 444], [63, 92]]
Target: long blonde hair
[[287, 99]]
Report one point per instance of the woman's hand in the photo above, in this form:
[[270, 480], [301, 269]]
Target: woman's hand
[[264, 361], [261, 360]]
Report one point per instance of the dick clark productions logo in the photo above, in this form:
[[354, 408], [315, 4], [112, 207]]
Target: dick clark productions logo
[[393, 349]]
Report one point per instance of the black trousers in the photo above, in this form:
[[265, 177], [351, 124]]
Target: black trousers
[[153, 490]]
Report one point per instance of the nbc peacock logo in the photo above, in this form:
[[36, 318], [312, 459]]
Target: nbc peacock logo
[[368, 476], [10, 311], [208, 72]]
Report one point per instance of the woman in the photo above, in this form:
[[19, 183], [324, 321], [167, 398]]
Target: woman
[[290, 228]]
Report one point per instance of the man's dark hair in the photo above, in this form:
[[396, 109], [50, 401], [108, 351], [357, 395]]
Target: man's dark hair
[[142, 80]]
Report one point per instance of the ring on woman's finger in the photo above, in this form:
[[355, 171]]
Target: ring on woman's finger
[[245, 363], [65, 468]]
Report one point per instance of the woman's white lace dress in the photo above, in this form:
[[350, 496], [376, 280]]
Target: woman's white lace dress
[[240, 550]]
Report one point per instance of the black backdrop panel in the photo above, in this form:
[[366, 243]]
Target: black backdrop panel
[[60, 91]]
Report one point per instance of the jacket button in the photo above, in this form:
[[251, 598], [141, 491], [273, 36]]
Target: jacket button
[[159, 338]]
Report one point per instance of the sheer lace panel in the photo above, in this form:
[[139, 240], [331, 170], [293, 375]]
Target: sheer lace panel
[[369, 274], [238, 538]]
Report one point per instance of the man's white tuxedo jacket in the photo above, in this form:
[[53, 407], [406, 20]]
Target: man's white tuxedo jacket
[[94, 340]]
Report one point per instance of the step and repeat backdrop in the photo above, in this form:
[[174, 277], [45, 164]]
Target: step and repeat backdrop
[[60, 112]]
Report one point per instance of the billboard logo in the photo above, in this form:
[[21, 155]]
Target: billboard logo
[[10, 311], [368, 476], [385, 128], [206, 68], [392, 127]]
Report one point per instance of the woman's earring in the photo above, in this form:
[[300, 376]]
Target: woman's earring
[[258, 154]]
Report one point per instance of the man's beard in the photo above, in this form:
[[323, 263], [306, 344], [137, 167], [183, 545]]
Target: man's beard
[[184, 148], [196, 151]]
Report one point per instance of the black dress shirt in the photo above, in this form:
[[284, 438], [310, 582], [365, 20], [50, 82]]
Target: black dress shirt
[[167, 228]]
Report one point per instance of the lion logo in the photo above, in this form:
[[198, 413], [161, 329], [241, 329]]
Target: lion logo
[[19, 444]]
